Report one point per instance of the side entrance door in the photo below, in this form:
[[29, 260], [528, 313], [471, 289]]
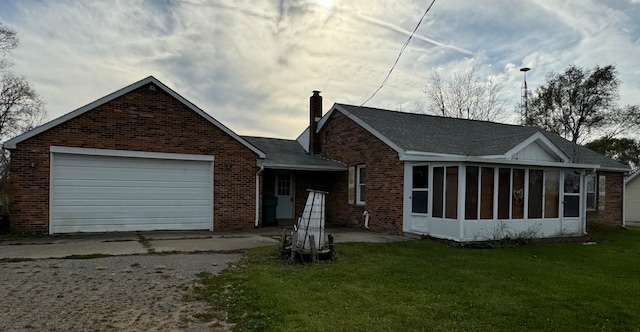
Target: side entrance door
[[285, 193]]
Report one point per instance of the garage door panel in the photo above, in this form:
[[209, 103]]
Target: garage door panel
[[129, 226], [129, 193], [115, 212], [92, 193]]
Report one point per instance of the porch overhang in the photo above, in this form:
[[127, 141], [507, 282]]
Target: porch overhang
[[418, 156], [301, 167]]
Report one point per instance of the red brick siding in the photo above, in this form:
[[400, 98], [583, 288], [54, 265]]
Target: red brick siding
[[612, 214], [344, 140], [141, 120]]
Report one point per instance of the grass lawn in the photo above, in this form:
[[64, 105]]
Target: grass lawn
[[425, 285]]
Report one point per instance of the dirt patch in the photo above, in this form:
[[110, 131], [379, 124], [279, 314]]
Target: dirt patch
[[133, 293]]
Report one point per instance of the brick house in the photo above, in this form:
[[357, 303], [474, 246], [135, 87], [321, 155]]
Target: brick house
[[145, 158], [461, 179]]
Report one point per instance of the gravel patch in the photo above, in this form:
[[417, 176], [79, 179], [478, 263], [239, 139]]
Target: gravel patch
[[132, 293]]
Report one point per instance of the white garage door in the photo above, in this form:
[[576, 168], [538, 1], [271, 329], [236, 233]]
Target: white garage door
[[105, 190]]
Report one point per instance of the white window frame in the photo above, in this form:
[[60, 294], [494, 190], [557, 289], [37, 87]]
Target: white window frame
[[360, 185], [594, 191]]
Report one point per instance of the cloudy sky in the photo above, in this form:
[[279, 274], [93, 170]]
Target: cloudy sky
[[253, 64]]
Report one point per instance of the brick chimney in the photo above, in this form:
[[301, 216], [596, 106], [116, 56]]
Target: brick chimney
[[315, 113]]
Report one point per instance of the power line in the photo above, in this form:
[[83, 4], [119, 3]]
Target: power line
[[400, 54]]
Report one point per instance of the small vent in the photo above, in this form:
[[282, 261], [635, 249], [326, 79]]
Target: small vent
[[152, 87]]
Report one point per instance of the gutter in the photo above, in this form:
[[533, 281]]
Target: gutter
[[258, 196]]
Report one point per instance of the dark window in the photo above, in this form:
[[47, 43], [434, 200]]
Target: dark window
[[517, 194], [438, 186], [504, 192], [420, 193], [551, 193], [451, 205], [486, 193], [471, 193], [535, 193]]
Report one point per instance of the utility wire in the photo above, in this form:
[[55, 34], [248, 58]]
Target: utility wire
[[400, 54]]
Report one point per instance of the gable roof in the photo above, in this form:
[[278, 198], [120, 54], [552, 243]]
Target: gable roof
[[411, 133], [11, 144], [290, 155]]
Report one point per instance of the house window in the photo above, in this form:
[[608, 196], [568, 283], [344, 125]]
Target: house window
[[486, 192], [571, 193], [361, 174], [535, 193], [551, 193], [420, 192], [471, 193], [590, 187], [445, 192], [517, 194], [504, 192]]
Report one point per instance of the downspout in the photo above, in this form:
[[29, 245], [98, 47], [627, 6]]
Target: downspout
[[366, 219], [258, 196], [624, 206]]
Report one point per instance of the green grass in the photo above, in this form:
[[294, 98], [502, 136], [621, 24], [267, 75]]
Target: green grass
[[425, 285]]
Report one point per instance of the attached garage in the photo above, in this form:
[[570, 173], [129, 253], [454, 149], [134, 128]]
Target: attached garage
[[138, 159], [95, 190]]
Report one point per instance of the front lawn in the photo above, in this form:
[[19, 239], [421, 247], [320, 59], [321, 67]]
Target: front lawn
[[425, 285]]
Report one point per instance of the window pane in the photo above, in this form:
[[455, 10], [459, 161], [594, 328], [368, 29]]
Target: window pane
[[420, 176], [504, 192], [571, 182], [362, 178], [361, 194], [591, 201], [486, 193], [551, 193], [419, 201], [517, 194], [571, 206], [471, 193], [452, 193], [535, 193], [590, 181], [438, 186]]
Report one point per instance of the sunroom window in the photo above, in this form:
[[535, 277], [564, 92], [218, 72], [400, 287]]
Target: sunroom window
[[420, 190], [571, 193]]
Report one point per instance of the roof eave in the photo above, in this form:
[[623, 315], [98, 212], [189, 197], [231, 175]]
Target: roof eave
[[301, 167], [12, 143]]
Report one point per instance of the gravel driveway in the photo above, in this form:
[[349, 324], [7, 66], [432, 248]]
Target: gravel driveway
[[132, 293]]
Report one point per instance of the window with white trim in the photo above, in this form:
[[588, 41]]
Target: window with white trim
[[571, 193], [420, 190], [590, 188], [361, 180]]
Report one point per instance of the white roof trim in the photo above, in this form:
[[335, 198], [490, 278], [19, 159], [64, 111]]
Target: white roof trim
[[11, 144], [363, 124], [496, 161], [547, 145], [631, 177]]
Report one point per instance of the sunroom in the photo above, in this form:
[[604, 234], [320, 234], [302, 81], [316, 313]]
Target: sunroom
[[533, 193]]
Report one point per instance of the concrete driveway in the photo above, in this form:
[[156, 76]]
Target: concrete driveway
[[129, 243]]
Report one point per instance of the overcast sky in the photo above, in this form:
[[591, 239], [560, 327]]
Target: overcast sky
[[253, 64]]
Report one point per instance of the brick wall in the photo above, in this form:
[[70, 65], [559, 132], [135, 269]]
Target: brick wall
[[142, 120], [344, 140], [612, 213]]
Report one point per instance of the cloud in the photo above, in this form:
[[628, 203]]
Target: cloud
[[253, 64]]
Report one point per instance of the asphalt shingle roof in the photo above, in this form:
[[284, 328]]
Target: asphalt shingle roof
[[289, 153], [436, 134]]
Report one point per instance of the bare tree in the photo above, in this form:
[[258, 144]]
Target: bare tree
[[21, 108], [466, 95], [8, 41]]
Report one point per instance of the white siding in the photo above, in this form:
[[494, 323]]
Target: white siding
[[632, 200], [94, 193], [533, 152]]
